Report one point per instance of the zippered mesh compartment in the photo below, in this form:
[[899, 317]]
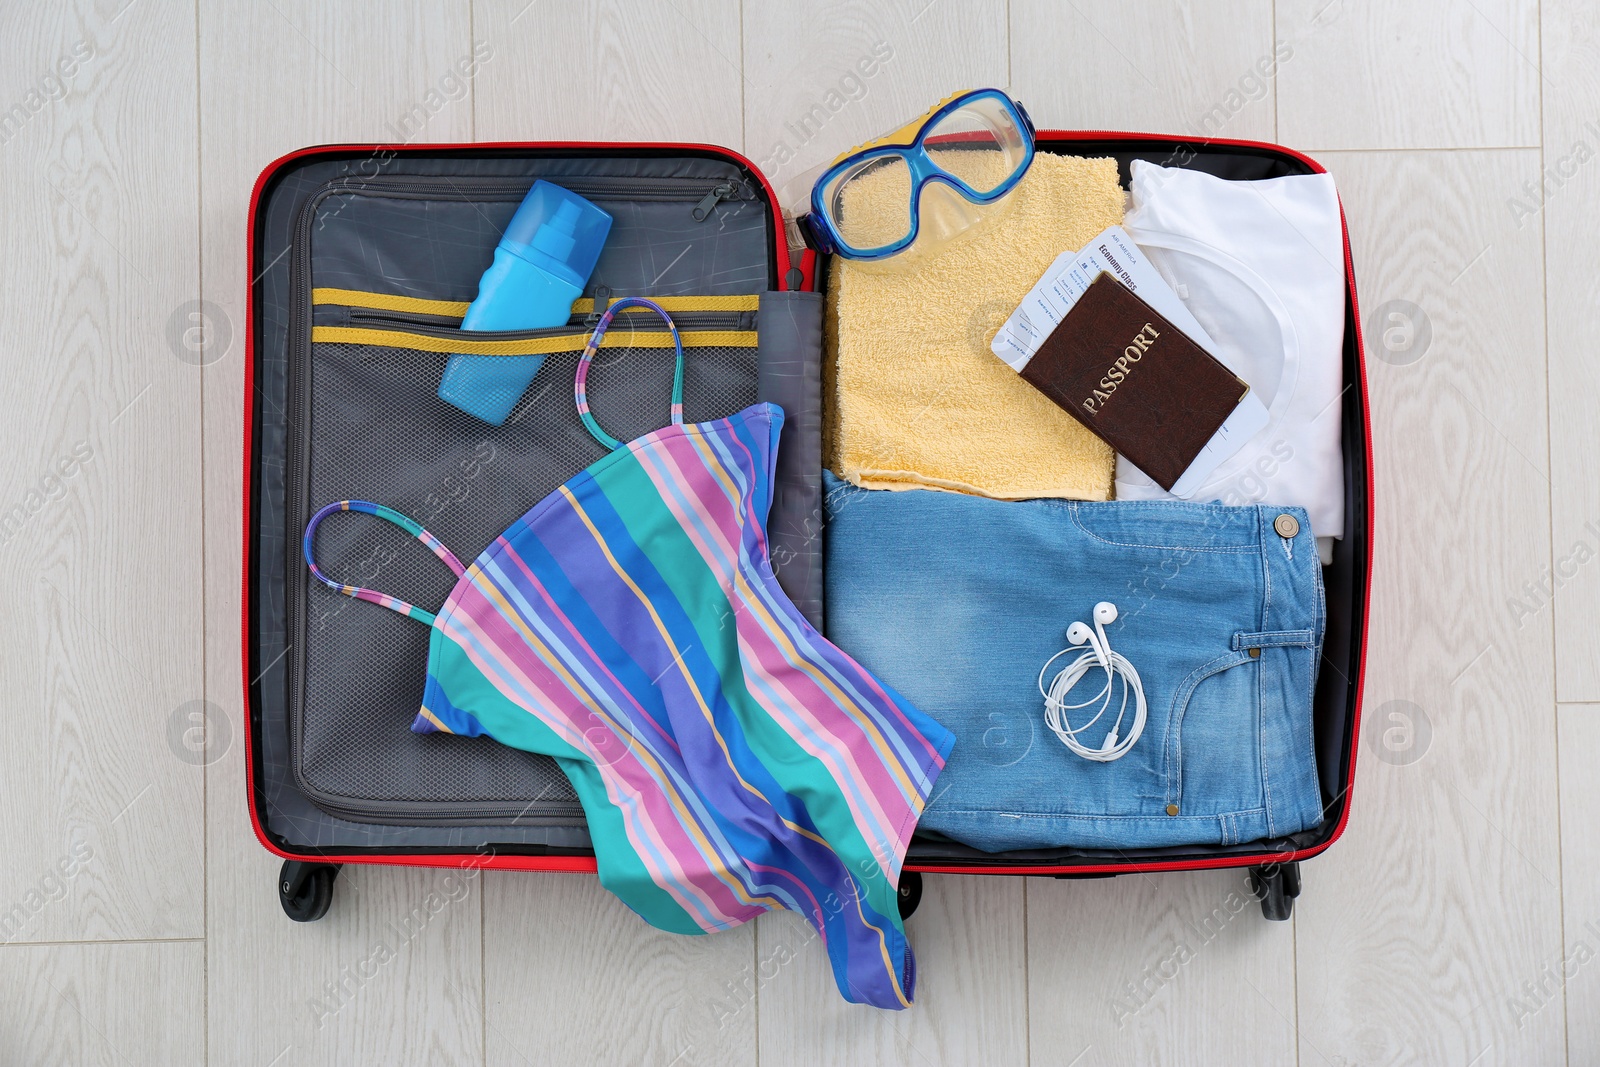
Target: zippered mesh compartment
[[377, 431]]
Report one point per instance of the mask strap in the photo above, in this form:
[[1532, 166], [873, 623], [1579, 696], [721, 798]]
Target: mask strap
[[580, 385], [405, 523]]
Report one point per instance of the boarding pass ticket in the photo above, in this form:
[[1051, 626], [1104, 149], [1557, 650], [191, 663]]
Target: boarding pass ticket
[[1068, 278]]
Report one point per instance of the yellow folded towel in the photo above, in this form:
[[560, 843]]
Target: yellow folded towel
[[915, 398]]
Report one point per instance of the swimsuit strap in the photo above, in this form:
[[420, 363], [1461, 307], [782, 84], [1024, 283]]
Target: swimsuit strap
[[580, 386], [405, 523]]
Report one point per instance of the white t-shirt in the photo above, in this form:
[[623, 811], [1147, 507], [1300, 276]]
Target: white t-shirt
[[1261, 265]]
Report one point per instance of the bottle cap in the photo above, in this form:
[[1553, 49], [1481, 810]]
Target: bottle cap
[[558, 231]]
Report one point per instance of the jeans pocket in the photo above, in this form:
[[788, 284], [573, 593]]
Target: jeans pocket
[[1213, 749]]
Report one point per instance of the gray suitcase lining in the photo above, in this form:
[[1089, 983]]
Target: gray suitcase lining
[[338, 765]]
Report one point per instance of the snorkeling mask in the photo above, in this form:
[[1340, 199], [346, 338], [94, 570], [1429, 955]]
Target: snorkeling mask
[[925, 183]]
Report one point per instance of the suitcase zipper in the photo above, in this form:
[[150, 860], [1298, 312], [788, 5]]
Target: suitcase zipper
[[703, 193], [438, 326], [725, 191]]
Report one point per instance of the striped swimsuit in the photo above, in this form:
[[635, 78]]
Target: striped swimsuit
[[729, 759]]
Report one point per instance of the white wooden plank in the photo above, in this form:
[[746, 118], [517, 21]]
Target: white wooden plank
[[1198, 67], [574, 977], [406, 978], [971, 1003], [99, 509], [1416, 930], [608, 71], [391, 975], [1167, 968], [1564, 202], [1576, 974], [1409, 74], [106, 1005], [824, 77]]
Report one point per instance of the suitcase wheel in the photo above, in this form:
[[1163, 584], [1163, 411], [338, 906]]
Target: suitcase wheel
[[306, 889], [910, 893], [1276, 886]]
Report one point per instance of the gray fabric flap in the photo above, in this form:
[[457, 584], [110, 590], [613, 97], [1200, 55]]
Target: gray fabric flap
[[791, 377]]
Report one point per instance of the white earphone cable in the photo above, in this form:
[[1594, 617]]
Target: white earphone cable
[[1098, 654]]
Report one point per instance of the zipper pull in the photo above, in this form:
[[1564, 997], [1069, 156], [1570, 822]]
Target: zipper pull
[[725, 191], [602, 300]]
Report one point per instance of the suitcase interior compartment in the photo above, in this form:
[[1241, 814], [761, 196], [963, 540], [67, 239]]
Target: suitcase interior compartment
[[364, 263], [1334, 705]]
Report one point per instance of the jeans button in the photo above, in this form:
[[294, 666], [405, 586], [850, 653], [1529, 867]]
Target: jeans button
[[1172, 809], [1286, 525]]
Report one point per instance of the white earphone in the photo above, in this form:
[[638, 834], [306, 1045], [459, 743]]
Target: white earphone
[[1099, 653]]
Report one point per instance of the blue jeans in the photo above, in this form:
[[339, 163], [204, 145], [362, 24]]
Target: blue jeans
[[957, 601]]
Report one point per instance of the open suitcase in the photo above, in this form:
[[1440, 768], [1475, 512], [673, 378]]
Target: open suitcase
[[362, 261]]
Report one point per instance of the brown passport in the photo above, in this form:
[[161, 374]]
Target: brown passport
[[1135, 380]]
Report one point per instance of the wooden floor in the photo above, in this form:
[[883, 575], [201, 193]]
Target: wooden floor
[[1458, 920]]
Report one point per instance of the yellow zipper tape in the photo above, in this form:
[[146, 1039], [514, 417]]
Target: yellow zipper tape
[[739, 302], [385, 302], [455, 309], [529, 346]]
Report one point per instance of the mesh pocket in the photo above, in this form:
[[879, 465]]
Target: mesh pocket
[[379, 432]]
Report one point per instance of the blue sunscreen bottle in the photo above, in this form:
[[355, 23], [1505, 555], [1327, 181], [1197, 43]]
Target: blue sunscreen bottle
[[540, 267]]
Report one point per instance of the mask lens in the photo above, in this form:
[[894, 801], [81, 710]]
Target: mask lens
[[870, 203], [979, 143]]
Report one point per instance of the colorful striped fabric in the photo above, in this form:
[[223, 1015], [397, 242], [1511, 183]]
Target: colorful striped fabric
[[406, 523], [729, 759]]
